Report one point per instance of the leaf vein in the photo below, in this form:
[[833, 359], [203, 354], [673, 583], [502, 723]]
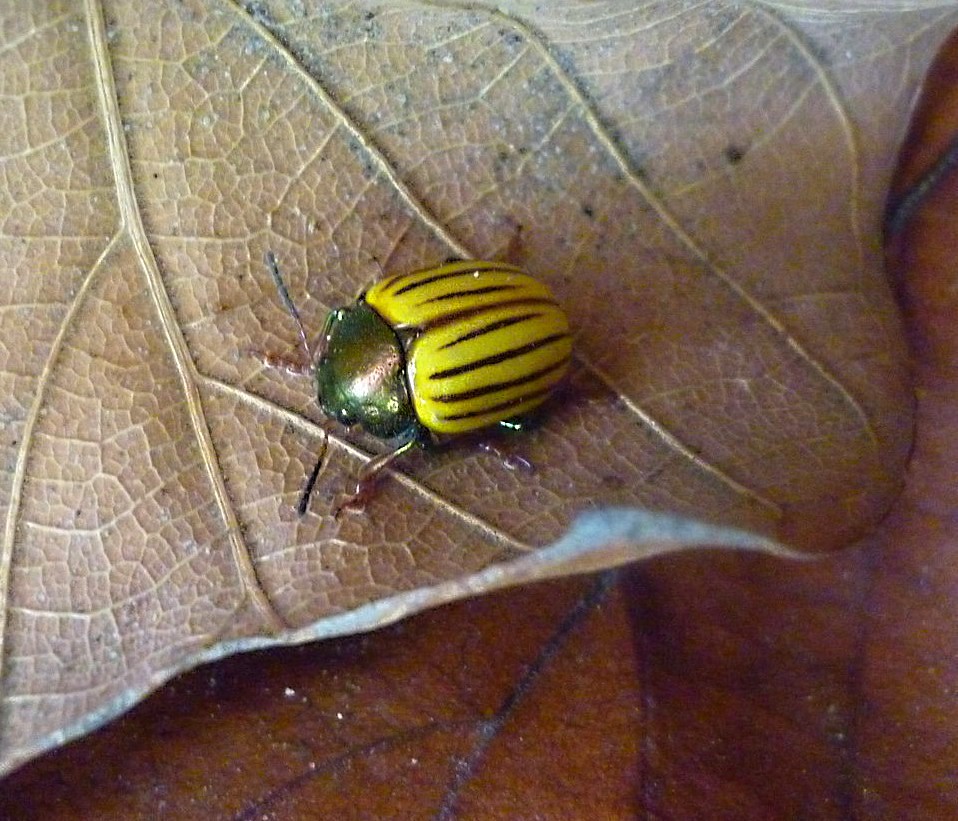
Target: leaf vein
[[30, 423], [578, 96], [185, 368], [356, 133], [312, 429]]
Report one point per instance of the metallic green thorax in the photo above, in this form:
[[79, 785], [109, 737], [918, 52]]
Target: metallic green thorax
[[361, 375]]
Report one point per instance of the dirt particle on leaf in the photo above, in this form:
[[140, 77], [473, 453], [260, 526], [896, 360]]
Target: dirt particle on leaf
[[734, 153]]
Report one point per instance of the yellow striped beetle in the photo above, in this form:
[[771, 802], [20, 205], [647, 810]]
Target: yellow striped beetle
[[435, 353]]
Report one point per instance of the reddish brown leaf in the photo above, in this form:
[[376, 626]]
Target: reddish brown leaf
[[702, 185]]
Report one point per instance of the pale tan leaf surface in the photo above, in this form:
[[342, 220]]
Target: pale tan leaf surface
[[702, 186]]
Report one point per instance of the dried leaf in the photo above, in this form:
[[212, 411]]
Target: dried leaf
[[704, 184]]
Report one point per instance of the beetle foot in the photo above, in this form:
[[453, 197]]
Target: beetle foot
[[356, 503], [368, 476]]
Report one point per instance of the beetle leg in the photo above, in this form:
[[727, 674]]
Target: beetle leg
[[368, 476], [295, 367], [303, 505], [524, 422]]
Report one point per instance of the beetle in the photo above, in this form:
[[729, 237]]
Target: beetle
[[436, 353]]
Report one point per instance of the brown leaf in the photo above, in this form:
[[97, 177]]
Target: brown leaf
[[702, 184]]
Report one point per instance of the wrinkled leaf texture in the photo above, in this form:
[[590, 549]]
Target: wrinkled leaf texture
[[702, 184]]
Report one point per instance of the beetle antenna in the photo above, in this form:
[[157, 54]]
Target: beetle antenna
[[273, 268]]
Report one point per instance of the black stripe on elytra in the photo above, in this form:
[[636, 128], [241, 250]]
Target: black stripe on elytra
[[495, 387], [396, 280], [502, 409], [486, 289], [468, 271], [502, 356], [473, 311], [488, 329], [459, 266], [390, 281], [477, 310]]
